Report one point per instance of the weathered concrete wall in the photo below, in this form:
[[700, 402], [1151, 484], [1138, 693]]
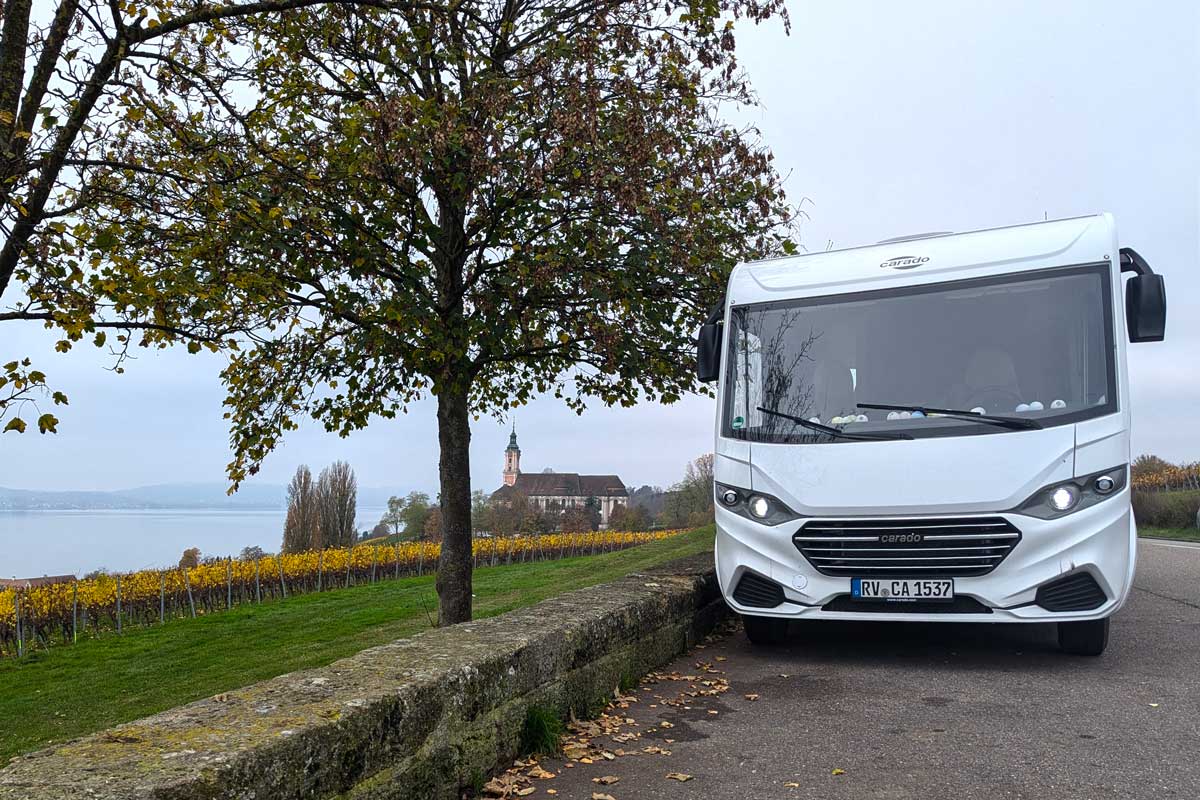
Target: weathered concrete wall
[[417, 718]]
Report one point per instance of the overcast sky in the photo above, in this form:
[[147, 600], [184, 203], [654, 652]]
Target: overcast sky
[[890, 119]]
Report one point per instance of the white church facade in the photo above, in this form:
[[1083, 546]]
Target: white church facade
[[558, 491]]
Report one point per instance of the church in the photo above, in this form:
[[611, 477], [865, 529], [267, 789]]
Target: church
[[557, 491]]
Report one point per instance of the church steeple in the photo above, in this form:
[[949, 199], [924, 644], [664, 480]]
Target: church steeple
[[512, 458]]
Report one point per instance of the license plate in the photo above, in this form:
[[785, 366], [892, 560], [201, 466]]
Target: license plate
[[902, 589]]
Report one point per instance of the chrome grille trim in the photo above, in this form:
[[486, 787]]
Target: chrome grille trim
[[944, 546]]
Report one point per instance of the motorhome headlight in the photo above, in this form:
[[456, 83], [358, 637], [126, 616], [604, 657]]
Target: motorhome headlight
[[1063, 498], [760, 506], [757, 506]]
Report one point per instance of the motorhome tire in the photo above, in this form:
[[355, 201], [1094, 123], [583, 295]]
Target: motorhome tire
[[765, 631], [1083, 638]]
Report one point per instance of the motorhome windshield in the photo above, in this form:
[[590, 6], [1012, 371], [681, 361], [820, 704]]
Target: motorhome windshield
[[1036, 345]]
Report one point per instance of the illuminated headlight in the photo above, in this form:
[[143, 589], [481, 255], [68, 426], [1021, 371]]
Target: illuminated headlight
[[762, 508], [1063, 498]]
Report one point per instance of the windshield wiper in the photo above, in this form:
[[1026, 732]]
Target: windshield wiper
[[838, 432], [1012, 423]]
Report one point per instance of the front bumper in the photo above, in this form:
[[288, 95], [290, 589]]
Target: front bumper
[[1100, 540]]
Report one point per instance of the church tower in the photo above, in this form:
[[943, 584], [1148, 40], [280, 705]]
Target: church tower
[[512, 459]]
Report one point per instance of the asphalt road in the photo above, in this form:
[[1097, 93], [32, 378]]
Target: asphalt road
[[868, 710]]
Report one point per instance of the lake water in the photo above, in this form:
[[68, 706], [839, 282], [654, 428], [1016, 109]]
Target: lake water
[[34, 543]]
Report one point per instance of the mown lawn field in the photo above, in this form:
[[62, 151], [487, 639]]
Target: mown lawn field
[[1182, 534], [70, 691]]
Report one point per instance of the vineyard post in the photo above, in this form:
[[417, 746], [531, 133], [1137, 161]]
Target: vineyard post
[[508, 552], [320, 568], [187, 582], [257, 582], [420, 558], [374, 560], [492, 544], [118, 602], [229, 582], [75, 612], [349, 561], [396, 547], [20, 630], [162, 597], [282, 582], [475, 551]]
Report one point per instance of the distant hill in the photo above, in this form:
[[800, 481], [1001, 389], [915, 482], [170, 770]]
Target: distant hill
[[169, 495]]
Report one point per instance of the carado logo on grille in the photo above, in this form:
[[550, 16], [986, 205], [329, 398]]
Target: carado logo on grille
[[902, 538], [904, 262]]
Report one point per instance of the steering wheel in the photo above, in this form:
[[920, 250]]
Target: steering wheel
[[996, 399]]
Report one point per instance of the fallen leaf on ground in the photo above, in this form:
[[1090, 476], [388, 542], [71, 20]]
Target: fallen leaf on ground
[[751, 697], [552, 791], [666, 724], [495, 788], [792, 785], [528, 790], [838, 771], [602, 796], [606, 780], [679, 776], [540, 774]]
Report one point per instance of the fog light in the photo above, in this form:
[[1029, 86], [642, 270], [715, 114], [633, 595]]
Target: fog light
[[759, 506], [729, 497], [1064, 498], [1105, 484]]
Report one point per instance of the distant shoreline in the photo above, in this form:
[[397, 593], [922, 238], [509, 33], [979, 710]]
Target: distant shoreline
[[188, 508]]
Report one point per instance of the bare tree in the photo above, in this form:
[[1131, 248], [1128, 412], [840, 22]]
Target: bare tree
[[337, 498], [302, 530]]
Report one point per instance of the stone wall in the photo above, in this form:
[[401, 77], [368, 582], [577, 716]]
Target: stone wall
[[423, 717]]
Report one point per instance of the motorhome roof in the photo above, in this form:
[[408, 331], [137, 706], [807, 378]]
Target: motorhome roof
[[927, 259]]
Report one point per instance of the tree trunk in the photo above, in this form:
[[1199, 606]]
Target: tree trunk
[[454, 468]]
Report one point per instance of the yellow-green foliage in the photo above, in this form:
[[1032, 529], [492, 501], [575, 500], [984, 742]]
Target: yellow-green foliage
[[50, 614]]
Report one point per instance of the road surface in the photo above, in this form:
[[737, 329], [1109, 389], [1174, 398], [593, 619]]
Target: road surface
[[869, 710]]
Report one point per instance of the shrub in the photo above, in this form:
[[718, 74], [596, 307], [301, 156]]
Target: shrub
[[1166, 509]]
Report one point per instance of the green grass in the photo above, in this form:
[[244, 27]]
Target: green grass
[[1183, 534], [68, 691], [542, 731]]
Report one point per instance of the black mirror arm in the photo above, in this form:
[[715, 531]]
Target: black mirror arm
[[1132, 261], [717, 314]]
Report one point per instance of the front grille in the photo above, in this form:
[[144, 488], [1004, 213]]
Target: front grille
[[961, 604], [755, 591], [1078, 592], [935, 547]]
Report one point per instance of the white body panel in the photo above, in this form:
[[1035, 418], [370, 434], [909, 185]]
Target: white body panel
[[960, 476]]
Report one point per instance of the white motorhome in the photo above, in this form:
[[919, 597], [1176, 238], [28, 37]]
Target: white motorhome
[[931, 429]]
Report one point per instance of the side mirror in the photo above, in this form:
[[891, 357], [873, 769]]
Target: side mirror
[[1145, 299], [708, 352], [1146, 308]]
